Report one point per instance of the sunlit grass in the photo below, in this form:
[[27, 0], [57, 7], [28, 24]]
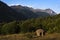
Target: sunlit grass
[[54, 36]]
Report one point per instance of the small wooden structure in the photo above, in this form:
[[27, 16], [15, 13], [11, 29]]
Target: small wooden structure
[[40, 32]]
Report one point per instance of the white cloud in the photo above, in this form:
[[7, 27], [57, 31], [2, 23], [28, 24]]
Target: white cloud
[[29, 5], [21, 5], [13, 4]]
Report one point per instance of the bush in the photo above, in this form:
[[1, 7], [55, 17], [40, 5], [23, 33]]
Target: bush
[[10, 28]]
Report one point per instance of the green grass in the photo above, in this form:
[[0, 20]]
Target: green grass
[[29, 36]]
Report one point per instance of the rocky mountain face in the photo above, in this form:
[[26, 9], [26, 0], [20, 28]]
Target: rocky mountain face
[[18, 12], [25, 11], [49, 11], [30, 12]]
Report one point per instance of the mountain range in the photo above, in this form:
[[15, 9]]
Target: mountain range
[[18, 12]]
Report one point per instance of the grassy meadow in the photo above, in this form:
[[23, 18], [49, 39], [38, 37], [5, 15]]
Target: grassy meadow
[[29, 36]]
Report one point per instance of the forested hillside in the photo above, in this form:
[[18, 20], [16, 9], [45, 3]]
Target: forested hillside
[[49, 24]]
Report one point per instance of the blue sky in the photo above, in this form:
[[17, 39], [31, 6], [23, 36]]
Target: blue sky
[[40, 4]]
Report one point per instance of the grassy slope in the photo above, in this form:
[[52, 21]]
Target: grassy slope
[[54, 36]]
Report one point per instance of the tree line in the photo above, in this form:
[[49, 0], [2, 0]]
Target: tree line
[[50, 24]]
